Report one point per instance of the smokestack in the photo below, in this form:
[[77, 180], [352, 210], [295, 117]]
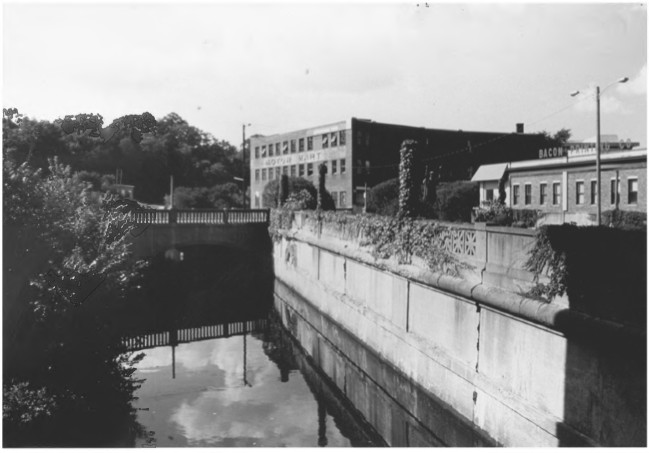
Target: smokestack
[[520, 128]]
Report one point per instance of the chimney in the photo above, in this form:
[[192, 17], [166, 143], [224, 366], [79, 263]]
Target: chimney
[[520, 128]]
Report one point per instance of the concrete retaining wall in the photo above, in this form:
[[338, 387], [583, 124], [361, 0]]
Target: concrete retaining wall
[[524, 372]]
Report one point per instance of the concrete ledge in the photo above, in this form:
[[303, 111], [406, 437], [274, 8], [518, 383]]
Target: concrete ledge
[[556, 317]]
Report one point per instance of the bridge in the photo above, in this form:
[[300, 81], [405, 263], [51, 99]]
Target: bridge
[[187, 335], [165, 231]]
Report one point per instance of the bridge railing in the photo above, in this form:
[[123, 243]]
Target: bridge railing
[[201, 217]]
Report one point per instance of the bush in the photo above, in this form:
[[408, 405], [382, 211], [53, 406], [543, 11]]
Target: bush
[[602, 270], [270, 194], [494, 212], [220, 196], [455, 201], [625, 220], [300, 201], [383, 198]]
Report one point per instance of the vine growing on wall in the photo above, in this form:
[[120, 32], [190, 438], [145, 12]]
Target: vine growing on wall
[[387, 237], [408, 196], [544, 258]]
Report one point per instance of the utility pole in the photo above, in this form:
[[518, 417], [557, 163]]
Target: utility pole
[[599, 168], [243, 164], [171, 192]]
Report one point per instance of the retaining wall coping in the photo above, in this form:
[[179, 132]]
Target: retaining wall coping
[[555, 317]]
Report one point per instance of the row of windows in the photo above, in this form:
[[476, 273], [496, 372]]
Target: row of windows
[[632, 192], [329, 140], [338, 166]]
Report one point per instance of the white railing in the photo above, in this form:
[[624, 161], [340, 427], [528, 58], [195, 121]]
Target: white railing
[[202, 217]]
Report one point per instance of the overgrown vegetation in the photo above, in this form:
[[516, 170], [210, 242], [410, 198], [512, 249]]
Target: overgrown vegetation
[[49, 326], [408, 194], [296, 187], [625, 220], [496, 213], [388, 237], [602, 270]]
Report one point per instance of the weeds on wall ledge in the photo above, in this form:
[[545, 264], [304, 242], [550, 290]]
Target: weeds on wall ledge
[[387, 237]]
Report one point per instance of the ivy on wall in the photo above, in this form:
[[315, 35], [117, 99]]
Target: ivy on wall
[[388, 237]]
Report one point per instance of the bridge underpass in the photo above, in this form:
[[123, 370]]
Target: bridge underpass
[[159, 232]]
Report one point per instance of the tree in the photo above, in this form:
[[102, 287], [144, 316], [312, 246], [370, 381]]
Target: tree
[[296, 185]]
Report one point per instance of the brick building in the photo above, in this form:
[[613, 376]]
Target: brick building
[[565, 187], [360, 152]]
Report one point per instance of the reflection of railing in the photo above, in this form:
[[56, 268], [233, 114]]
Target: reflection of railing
[[187, 335], [201, 217]]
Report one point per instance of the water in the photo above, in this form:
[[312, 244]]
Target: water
[[222, 371], [228, 392]]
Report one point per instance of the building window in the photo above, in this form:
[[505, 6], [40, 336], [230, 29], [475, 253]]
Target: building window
[[359, 137], [263, 174], [285, 170], [309, 169], [615, 194], [334, 196], [633, 191], [543, 193], [528, 194], [556, 193], [341, 137], [342, 166], [517, 194], [334, 167], [343, 201], [593, 192], [278, 171], [490, 195], [263, 151], [580, 192], [278, 149], [309, 143], [271, 148], [256, 200], [300, 145], [292, 146], [256, 152], [285, 148], [257, 175], [293, 170], [325, 140], [301, 170], [333, 141]]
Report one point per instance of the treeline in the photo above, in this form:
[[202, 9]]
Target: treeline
[[197, 160]]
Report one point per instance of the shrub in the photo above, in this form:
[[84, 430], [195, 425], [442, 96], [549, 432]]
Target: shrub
[[625, 220], [295, 185], [383, 198], [525, 218], [455, 200], [300, 201], [494, 212], [602, 270]]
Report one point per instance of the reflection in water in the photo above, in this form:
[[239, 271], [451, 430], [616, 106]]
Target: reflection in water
[[217, 371], [220, 399]]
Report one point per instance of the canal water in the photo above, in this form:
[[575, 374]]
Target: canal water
[[219, 369]]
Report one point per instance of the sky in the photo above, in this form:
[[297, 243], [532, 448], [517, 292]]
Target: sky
[[284, 67]]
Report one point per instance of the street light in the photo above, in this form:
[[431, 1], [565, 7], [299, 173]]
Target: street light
[[599, 151]]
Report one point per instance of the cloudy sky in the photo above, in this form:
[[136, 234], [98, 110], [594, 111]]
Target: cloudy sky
[[286, 67]]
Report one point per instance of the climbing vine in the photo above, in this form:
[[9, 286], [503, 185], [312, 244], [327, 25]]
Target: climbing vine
[[387, 237], [544, 258]]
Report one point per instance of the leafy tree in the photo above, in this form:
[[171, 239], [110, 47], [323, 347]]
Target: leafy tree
[[384, 198], [270, 193]]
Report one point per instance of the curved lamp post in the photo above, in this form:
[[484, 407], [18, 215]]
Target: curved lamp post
[[598, 164]]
